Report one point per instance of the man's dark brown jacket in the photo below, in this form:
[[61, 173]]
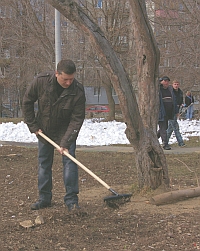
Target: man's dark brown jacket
[[60, 118]]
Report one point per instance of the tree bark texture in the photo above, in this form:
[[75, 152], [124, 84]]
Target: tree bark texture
[[141, 121]]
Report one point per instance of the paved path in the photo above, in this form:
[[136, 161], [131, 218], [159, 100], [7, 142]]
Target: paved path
[[174, 150]]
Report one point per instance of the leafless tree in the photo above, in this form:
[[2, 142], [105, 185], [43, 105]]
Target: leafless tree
[[113, 19], [141, 121], [27, 42], [176, 25]]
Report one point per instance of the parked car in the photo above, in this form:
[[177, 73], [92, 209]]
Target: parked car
[[7, 111], [98, 108]]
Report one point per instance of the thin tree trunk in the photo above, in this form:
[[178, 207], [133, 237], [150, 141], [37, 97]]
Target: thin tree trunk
[[111, 102]]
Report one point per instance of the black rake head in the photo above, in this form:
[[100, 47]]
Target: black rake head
[[116, 200]]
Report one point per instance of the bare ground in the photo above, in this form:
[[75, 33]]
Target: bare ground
[[136, 225]]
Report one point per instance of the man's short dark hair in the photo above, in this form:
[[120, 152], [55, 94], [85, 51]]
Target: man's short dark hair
[[67, 66]]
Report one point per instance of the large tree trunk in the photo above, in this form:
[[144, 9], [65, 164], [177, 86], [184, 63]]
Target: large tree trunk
[[140, 131], [147, 62]]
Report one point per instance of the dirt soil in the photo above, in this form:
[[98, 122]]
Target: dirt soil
[[136, 225]]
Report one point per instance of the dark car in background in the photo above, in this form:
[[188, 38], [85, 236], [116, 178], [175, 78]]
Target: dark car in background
[[97, 108], [6, 111]]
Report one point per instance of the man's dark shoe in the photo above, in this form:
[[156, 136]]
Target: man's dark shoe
[[73, 207], [167, 147], [182, 145], [39, 205]]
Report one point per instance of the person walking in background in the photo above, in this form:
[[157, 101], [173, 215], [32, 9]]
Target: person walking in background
[[189, 101], [167, 110], [173, 123], [61, 112]]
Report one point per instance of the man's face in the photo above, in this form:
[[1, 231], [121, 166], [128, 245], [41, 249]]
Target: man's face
[[165, 83], [176, 86], [64, 79]]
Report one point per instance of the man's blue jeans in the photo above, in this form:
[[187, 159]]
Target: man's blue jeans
[[70, 174], [190, 111], [174, 126]]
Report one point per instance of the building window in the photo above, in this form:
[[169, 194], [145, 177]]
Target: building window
[[18, 74], [114, 92], [5, 12], [127, 6], [80, 55], [64, 23], [39, 17], [2, 72], [122, 39], [164, 44], [99, 20], [96, 58], [164, 62], [81, 39], [80, 74], [5, 53], [97, 91], [181, 7], [2, 12], [99, 4]]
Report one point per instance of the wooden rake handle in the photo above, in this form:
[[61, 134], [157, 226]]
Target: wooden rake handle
[[75, 160]]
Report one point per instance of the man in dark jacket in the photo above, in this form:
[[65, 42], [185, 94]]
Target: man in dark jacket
[[173, 123], [60, 115], [168, 109]]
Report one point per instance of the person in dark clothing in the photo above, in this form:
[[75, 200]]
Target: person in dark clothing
[[61, 112], [173, 123], [189, 101], [167, 110]]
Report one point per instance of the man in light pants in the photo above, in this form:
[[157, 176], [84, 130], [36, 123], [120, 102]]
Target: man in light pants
[[173, 124]]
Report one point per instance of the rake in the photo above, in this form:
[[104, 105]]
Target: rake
[[113, 201]]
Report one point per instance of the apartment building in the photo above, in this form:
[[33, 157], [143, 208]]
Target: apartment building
[[176, 32]]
